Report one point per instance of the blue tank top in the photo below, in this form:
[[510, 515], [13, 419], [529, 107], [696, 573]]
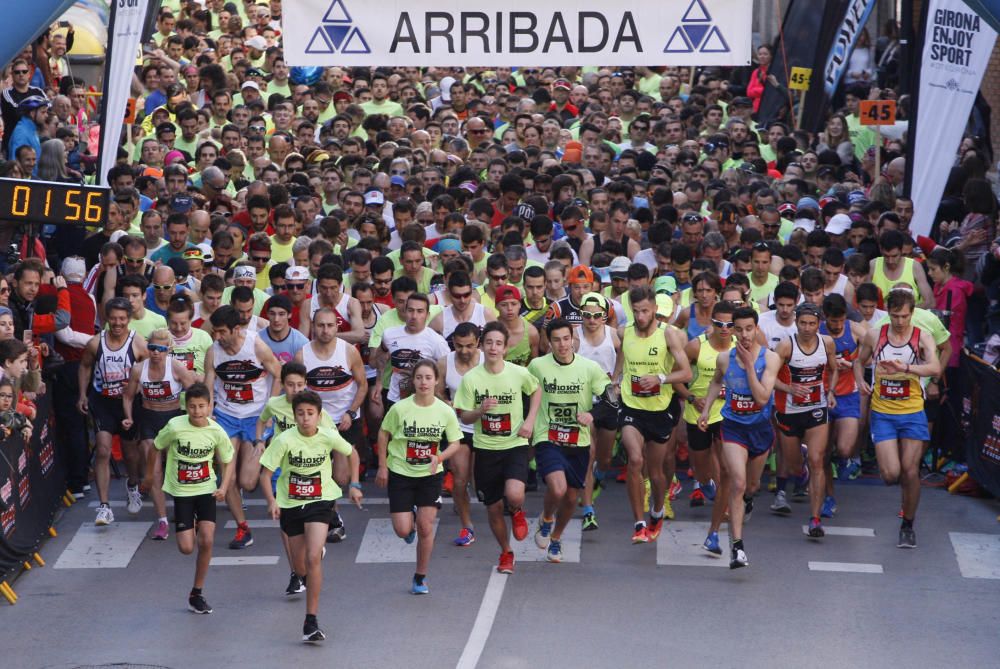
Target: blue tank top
[[740, 405], [694, 330], [845, 343]]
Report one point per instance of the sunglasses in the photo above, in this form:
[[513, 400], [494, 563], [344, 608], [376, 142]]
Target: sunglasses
[[159, 348], [168, 286], [723, 324], [498, 277], [4, 291], [260, 258], [401, 173], [461, 296], [592, 315], [295, 286], [688, 163], [20, 72], [134, 261], [258, 128]]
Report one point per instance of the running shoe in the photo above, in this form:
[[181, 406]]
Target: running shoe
[[161, 532], [800, 491], [506, 564], [675, 489], [780, 504], [712, 543], [697, 497], [197, 604], [747, 509], [134, 505], [409, 538], [668, 509], [907, 538], [447, 484], [544, 532], [816, 529], [554, 553], [645, 498], [589, 522], [337, 531], [419, 588], [466, 537], [105, 516], [311, 633], [641, 534], [654, 528], [900, 514], [853, 468], [738, 559], [295, 585], [243, 538], [829, 507], [709, 490], [519, 525]]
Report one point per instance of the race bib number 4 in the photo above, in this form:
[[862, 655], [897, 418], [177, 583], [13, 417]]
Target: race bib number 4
[[193, 472], [238, 393], [639, 391], [743, 403], [894, 389], [496, 424], [304, 487], [419, 452]]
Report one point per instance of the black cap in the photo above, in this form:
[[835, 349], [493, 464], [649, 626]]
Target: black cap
[[181, 203]]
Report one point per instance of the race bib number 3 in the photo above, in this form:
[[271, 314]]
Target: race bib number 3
[[496, 424], [742, 403], [193, 472], [304, 487], [639, 391], [419, 452], [812, 398], [238, 393], [894, 389]]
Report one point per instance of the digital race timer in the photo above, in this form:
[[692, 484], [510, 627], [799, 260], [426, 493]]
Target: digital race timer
[[50, 202]]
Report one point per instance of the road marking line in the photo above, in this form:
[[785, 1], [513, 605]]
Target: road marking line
[[527, 551], [855, 567], [844, 531], [120, 503], [680, 544], [255, 524], [380, 544], [978, 554], [110, 547], [484, 621], [246, 560]]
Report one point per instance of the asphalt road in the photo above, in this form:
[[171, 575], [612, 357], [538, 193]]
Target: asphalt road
[[109, 596]]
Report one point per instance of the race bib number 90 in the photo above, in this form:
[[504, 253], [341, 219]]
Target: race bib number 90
[[562, 424]]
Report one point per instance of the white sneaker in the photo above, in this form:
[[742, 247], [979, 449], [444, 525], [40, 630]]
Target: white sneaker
[[134, 499], [105, 516]]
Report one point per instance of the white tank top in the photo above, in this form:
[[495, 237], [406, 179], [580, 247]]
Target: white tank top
[[365, 350], [839, 287], [166, 391], [331, 378], [113, 366], [452, 379], [478, 317], [254, 324], [242, 385], [805, 369], [774, 331], [603, 354], [343, 314]]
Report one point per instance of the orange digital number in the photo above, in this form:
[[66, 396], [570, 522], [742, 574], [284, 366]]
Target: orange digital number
[[92, 214], [19, 206], [70, 204]]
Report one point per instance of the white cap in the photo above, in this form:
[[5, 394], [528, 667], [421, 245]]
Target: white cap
[[118, 234], [250, 83], [74, 269], [257, 42], [839, 224], [806, 224], [297, 273], [206, 251], [244, 272], [446, 88]]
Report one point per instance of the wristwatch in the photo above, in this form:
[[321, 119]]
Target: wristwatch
[[662, 377], [354, 484]]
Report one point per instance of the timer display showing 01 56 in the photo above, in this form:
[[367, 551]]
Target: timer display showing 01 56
[[50, 202]]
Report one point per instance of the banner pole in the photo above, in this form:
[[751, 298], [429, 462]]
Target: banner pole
[[802, 108], [878, 152], [100, 178]]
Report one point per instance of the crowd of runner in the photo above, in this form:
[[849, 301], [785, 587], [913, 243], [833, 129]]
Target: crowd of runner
[[476, 281]]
